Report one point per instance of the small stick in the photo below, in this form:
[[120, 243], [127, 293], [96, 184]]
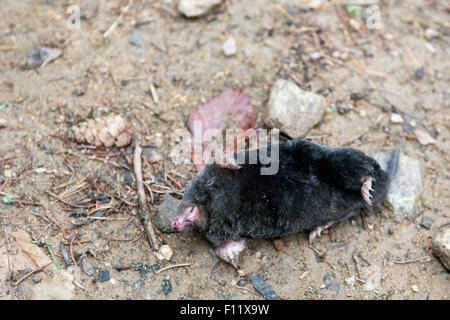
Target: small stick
[[174, 266], [107, 218], [358, 268], [68, 203], [142, 198], [4, 184], [15, 284], [153, 92], [411, 261], [118, 20], [247, 289], [174, 181], [71, 251], [417, 215], [58, 224], [374, 73], [410, 54]]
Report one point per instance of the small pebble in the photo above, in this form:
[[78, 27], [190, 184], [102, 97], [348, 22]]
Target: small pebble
[[427, 222], [315, 55], [420, 73], [229, 47], [164, 253], [396, 118], [431, 33], [415, 288], [103, 275]]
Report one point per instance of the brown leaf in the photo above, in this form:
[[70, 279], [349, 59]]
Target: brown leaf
[[230, 109], [20, 254]]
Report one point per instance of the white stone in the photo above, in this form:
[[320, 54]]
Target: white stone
[[164, 253], [196, 8], [396, 118], [229, 47]]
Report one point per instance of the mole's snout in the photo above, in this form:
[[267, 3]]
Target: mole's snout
[[176, 225], [186, 218]]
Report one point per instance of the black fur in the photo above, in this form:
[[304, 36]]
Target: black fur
[[314, 185]]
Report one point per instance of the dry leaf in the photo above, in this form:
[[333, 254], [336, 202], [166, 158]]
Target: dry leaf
[[20, 253], [230, 109]]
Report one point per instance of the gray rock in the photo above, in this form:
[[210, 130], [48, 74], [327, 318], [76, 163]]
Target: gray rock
[[87, 267], [441, 246], [427, 222], [166, 213], [407, 186], [196, 8], [264, 288], [104, 275], [293, 110]]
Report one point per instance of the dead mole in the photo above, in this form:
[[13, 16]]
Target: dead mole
[[314, 187]]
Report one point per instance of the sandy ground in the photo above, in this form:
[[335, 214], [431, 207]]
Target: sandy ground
[[378, 259]]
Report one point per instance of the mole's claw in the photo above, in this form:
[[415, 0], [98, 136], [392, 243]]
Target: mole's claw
[[317, 231], [229, 251], [366, 188]]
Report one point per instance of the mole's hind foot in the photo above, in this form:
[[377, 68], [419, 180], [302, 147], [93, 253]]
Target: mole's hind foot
[[229, 251], [366, 188], [317, 231]]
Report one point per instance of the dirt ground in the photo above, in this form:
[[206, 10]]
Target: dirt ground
[[378, 258]]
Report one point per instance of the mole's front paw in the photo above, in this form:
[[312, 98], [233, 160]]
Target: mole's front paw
[[229, 251], [366, 188], [351, 168]]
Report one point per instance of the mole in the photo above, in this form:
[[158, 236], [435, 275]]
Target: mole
[[315, 186]]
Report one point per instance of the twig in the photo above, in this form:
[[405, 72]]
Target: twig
[[71, 251], [145, 219], [371, 72], [4, 184], [247, 289], [358, 267], [153, 92], [174, 266], [68, 203], [58, 224], [411, 261], [118, 20], [15, 284]]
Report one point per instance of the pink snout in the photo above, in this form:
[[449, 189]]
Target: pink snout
[[176, 224]]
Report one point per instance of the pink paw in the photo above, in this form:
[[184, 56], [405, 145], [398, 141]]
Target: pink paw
[[229, 251]]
